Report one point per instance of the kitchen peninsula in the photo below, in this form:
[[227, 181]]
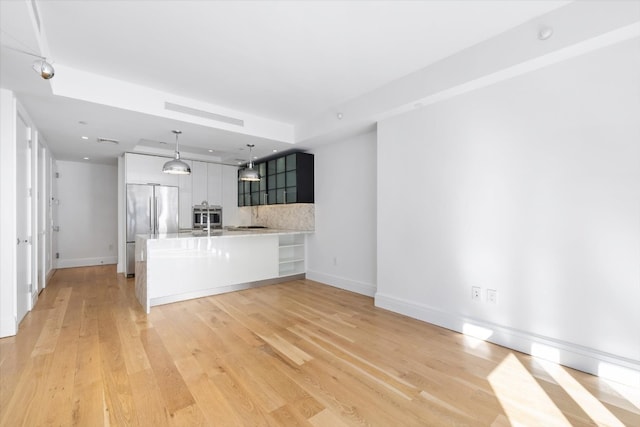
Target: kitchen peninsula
[[181, 266]]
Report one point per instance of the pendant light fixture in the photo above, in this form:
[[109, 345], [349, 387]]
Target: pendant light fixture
[[176, 166], [249, 173]]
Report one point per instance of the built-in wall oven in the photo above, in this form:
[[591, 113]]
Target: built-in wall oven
[[207, 216]]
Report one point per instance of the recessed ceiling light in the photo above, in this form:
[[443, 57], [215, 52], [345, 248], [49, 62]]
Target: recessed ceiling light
[[84, 137], [339, 116], [85, 158], [275, 151], [211, 151]]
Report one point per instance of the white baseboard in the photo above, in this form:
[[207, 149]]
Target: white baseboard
[[85, 262], [343, 283], [595, 362]]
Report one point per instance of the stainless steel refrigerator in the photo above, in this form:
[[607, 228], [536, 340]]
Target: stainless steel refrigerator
[[151, 209]]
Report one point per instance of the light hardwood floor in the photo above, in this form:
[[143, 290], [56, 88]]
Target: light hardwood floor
[[299, 353]]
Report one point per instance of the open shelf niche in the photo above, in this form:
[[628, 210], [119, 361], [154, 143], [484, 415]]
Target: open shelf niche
[[291, 254]]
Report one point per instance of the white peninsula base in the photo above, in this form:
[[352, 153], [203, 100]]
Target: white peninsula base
[[177, 267]]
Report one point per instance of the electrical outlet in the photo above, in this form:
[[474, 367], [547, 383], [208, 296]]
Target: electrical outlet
[[492, 296], [475, 293]]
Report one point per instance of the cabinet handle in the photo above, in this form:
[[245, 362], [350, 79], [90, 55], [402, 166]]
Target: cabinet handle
[[155, 217]]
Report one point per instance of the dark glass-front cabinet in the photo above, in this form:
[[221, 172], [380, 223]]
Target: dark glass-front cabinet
[[284, 179]]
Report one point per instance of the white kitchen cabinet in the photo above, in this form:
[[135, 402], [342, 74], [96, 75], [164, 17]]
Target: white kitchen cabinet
[[199, 173], [144, 169], [207, 183], [230, 212], [186, 197], [214, 184]]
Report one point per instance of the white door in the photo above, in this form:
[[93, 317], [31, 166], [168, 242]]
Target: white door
[[23, 217]]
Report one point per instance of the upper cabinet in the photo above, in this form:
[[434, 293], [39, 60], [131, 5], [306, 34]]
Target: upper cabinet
[[214, 184], [199, 177], [284, 179], [207, 183], [145, 169]]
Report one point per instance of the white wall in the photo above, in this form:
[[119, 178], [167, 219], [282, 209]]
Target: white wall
[[529, 187], [342, 251], [87, 214]]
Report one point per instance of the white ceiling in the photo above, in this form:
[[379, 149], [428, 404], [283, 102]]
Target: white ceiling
[[283, 61]]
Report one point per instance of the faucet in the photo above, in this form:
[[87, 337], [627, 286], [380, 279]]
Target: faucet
[[205, 206]]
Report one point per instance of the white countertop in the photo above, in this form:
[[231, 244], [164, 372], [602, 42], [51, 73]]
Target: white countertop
[[221, 233]]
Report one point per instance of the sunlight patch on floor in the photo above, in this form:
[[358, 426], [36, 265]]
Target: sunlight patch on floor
[[625, 382], [524, 402], [589, 404]]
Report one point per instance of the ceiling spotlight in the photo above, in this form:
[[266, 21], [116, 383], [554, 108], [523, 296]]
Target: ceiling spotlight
[[544, 33], [42, 67], [339, 116], [84, 137]]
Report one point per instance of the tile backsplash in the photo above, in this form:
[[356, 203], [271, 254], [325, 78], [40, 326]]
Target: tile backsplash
[[298, 216]]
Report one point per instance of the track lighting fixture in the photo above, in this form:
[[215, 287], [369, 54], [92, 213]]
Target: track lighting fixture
[[45, 69], [40, 65]]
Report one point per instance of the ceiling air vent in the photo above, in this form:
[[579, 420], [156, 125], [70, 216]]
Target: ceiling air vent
[[201, 113], [108, 141]]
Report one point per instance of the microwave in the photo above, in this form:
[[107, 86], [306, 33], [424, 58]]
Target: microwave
[[204, 216]]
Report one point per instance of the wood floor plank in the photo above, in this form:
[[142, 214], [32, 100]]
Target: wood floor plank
[[296, 353], [210, 399], [23, 407], [88, 407], [117, 389], [49, 337], [175, 392], [148, 400]]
